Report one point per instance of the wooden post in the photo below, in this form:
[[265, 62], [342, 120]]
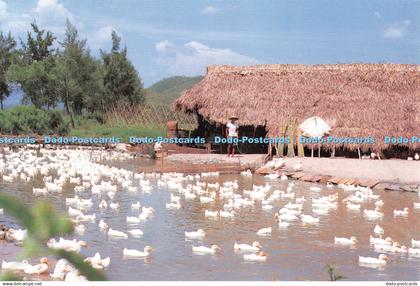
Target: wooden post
[[312, 150], [319, 150], [282, 132], [301, 151], [333, 152], [358, 152], [291, 145]]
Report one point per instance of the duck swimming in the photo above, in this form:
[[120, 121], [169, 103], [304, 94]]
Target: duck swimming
[[255, 247], [378, 230], [347, 241], [260, 257], [381, 260], [203, 249], [38, 268], [199, 234], [116, 233], [264, 231], [137, 253]]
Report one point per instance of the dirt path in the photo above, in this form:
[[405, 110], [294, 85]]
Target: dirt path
[[392, 171]]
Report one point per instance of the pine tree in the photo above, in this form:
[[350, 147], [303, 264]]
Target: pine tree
[[7, 48]]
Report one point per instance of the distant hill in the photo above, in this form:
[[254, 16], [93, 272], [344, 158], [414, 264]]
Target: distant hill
[[169, 89]]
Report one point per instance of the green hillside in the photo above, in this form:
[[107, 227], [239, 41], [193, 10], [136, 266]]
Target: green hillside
[[169, 89]]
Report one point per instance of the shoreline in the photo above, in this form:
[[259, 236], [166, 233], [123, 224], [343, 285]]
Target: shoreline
[[391, 174]]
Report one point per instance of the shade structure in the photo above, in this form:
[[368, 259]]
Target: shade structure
[[314, 127]]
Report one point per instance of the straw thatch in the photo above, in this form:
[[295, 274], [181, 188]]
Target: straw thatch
[[354, 99]]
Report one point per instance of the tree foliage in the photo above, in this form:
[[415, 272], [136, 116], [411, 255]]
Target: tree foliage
[[7, 46], [121, 80], [43, 222], [69, 74]]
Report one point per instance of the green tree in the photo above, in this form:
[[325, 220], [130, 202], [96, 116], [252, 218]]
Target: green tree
[[121, 80], [86, 73], [7, 47], [31, 71], [64, 81]]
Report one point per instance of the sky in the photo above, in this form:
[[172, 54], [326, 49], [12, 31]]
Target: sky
[[182, 37]]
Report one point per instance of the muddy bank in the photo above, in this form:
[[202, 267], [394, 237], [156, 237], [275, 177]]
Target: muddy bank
[[400, 172]]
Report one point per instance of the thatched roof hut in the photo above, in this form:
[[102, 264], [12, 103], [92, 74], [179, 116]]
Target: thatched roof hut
[[354, 99]]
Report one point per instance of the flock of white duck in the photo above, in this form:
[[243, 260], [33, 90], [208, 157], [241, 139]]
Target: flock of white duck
[[100, 183]]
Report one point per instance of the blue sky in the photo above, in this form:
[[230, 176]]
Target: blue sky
[[166, 38]]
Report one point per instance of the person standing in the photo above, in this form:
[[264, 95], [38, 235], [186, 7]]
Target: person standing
[[232, 134]]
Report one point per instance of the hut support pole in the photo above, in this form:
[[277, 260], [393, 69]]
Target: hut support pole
[[319, 150], [358, 152], [312, 151], [333, 152]]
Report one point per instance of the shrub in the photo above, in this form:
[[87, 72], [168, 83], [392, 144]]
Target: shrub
[[29, 119]]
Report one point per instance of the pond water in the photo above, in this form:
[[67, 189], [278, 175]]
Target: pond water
[[299, 252]]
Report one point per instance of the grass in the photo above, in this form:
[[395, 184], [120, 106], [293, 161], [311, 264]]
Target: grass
[[124, 121], [92, 128]]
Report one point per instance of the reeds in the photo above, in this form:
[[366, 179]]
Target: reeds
[[147, 116]]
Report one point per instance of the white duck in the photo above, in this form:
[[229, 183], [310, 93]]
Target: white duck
[[351, 206], [97, 262], [376, 240], [281, 224], [173, 206], [255, 247], [226, 214], [378, 230], [415, 243], [381, 260], [308, 219], [133, 219], [264, 231], [373, 214], [288, 217], [14, 265], [315, 189], [199, 234], [415, 251], [135, 206], [62, 267], [103, 204], [348, 241], [103, 225], [403, 212], [116, 233], [137, 253], [203, 249], [260, 257], [211, 214], [136, 232]]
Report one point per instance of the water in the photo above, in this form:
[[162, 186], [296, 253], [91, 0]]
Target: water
[[298, 253]]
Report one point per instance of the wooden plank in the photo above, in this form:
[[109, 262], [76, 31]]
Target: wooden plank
[[316, 179], [306, 178], [350, 181], [334, 180], [325, 179], [368, 183], [297, 175]]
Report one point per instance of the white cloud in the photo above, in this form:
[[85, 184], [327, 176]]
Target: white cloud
[[12, 22], [49, 14], [164, 47], [101, 39], [396, 30], [209, 10], [53, 15], [3, 8], [193, 57]]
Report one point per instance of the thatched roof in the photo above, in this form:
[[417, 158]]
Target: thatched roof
[[354, 99]]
